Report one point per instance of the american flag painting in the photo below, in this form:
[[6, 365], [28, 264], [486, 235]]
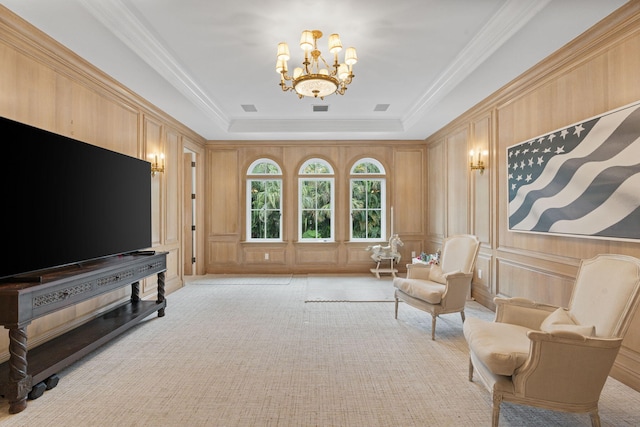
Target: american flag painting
[[582, 180]]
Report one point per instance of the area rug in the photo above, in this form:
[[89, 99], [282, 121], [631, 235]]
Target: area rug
[[329, 288], [233, 279], [258, 356]]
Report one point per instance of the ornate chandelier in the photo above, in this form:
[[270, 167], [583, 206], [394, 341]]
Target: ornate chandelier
[[316, 77]]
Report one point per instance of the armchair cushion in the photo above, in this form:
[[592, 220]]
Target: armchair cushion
[[425, 290], [418, 271], [562, 320], [502, 347], [436, 275]]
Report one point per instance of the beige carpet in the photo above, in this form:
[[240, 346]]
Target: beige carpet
[[231, 279], [257, 355], [337, 288]]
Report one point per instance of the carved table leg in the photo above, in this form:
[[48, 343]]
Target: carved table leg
[[19, 382], [161, 292], [135, 292]]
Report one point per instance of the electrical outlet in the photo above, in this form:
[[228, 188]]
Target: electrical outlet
[[479, 274], [266, 256], [413, 254]]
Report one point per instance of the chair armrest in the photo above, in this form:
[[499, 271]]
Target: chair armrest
[[457, 280], [457, 289], [418, 271], [522, 312], [576, 366], [457, 275]]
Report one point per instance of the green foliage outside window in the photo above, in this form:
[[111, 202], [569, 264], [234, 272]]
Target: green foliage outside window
[[264, 168], [367, 200], [316, 168], [265, 209], [265, 200], [316, 204], [366, 167], [316, 209], [366, 209]]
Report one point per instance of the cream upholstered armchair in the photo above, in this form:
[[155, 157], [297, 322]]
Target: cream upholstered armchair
[[442, 288], [555, 358]]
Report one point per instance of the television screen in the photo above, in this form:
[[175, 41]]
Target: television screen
[[65, 201]]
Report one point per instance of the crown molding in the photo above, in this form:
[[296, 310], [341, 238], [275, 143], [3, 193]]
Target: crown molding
[[315, 125], [511, 17], [121, 20]]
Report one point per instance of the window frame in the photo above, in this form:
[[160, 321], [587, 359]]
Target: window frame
[[264, 178], [329, 177], [368, 176]]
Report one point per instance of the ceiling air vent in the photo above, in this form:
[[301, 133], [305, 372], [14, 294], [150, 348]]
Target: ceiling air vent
[[318, 108], [249, 108], [381, 107]]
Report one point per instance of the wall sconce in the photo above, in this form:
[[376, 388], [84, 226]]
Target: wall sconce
[[479, 164], [155, 166]]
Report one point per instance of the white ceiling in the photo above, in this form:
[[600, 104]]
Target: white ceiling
[[201, 60]]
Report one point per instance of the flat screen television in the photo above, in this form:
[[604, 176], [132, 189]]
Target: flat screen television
[[66, 202]]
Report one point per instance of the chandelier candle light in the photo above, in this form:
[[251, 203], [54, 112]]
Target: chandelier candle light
[[316, 77]]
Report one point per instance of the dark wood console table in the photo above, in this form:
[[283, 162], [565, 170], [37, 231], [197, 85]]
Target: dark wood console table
[[23, 300]]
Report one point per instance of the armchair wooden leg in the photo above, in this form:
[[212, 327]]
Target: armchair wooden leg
[[495, 413], [462, 315], [396, 307], [433, 327], [595, 418], [470, 370]]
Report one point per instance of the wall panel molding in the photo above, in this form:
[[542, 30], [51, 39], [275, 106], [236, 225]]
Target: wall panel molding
[[44, 84], [533, 282]]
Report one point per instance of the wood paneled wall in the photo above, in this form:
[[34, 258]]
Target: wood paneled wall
[[595, 73], [45, 85], [430, 186], [227, 164]]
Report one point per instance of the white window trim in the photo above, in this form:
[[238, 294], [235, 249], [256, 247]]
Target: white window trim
[[368, 160], [301, 172], [251, 176], [383, 207], [317, 177], [248, 216], [369, 176], [263, 160]]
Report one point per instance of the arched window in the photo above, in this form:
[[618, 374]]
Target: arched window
[[264, 201], [315, 200], [368, 201]]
